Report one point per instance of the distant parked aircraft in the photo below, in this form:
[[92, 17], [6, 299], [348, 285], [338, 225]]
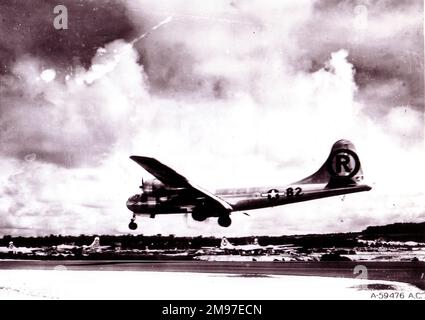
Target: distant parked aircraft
[[15, 250]]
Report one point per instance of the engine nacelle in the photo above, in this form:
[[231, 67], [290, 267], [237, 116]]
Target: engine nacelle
[[150, 186]]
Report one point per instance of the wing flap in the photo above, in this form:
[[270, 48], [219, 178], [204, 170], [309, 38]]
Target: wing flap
[[211, 196]]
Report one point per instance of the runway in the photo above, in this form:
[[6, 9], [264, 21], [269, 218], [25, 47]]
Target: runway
[[407, 272]]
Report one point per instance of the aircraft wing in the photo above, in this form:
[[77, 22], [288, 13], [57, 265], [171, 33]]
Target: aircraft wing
[[173, 179], [160, 171]]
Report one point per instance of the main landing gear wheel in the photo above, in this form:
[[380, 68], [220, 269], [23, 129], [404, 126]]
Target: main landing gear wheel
[[224, 221], [133, 225], [197, 216]]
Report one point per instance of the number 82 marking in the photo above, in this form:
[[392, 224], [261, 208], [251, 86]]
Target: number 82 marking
[[290, 192]]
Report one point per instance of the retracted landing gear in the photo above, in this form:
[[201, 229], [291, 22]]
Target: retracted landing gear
[[224, 221], [133, 225]]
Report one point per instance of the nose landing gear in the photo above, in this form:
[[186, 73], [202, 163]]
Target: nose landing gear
[[133, 225]]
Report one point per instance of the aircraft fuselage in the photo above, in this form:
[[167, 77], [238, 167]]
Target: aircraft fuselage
[[242, 199]]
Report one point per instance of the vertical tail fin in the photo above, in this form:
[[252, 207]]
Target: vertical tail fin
[[225, 244], [341, 169], [94, 246], [12, 249]]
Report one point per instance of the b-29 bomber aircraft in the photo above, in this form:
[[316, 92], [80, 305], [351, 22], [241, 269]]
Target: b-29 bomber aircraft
[[171, 193]]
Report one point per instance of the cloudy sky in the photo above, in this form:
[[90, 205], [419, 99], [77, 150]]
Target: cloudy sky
[[229, 93]]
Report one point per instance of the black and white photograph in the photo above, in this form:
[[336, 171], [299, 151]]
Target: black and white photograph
[[221, 149]]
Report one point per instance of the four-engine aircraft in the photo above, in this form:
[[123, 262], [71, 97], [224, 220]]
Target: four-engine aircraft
[[171, 193]]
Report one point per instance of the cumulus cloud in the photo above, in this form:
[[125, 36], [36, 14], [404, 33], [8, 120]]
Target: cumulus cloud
[[229, 94], [74, 121], [385, 40], [26, 27]]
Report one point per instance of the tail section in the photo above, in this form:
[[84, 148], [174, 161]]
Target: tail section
[[95, 245], [11, 246], [225, 244], [341, 169]]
